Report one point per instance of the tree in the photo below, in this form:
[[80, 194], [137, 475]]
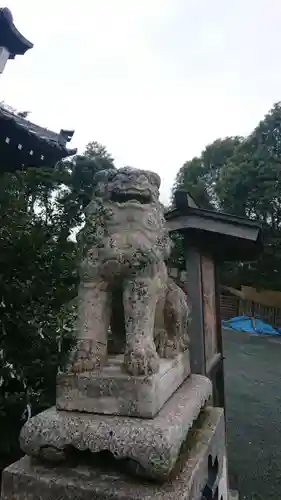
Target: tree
[[39, 209], [79, 184], [37, 281], [253, 174], [199, 176], [250, 185], [242, 176], [84, 167], [191, 177]]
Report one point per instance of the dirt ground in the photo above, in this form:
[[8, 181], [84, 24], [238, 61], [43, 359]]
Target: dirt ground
[[253, 409]]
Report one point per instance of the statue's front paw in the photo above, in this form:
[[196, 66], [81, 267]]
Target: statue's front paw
[[81, 365], [85, 357], [141, 361]]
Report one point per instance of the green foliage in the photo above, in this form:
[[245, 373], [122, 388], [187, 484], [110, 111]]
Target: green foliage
[[82, 171], [242, 176], [250, 182], [192, 178], [176, 259], [37, 277], [250, 185], [199, 175], [39, 209]]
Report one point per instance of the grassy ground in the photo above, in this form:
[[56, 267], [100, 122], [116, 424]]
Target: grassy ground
[[253, 409]]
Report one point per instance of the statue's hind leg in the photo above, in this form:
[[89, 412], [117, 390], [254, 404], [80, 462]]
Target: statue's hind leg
[[177, 317]]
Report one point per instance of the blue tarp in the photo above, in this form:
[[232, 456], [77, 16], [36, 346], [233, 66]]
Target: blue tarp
[[255, 326]]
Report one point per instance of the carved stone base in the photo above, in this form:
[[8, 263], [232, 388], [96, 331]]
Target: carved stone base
[[111, 391], [152, 445], [199, 469]]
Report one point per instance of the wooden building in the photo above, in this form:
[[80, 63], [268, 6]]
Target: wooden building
[[210, 238], [23, 143], [12, 42]]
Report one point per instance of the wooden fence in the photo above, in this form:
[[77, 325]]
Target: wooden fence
[[271, 315], [231, 306]]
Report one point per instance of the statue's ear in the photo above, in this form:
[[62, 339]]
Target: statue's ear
[[153, 178], [104, 176]]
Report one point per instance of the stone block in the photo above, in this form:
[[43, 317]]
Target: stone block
[[112, 391], [152, 444], [26, 480]]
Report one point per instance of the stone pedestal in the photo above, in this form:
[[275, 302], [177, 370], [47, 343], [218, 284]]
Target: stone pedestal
[[112, 391], [153, 445], [199, 469]]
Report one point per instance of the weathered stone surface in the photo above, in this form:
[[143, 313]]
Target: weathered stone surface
[[123, 246], [113, 392], [223, 482], [154, 444], [233, 495], [25, 480]]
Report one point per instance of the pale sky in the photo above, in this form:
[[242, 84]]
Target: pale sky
[[153, 80]]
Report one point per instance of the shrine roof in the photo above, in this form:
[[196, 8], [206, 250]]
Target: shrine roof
[[24, 143], [226, 236], [10, 37]]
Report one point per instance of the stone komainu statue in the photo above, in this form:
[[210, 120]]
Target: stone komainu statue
[[123, 277]]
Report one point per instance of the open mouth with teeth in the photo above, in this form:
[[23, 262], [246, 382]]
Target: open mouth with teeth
[[143, 199]]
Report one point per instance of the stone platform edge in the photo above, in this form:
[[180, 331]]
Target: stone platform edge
[[27, 480], [111, 391], [154, 444]]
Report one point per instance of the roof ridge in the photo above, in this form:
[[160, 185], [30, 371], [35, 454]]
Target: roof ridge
[[33, 127]]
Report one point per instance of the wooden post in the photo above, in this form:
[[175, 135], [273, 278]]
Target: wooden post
[[219, 391], [206, 350], [197, 344], [210, 237]]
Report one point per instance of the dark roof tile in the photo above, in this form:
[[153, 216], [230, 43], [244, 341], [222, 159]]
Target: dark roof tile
[[10, 37]]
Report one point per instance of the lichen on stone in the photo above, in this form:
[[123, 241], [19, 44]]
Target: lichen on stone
[[123, 246]]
